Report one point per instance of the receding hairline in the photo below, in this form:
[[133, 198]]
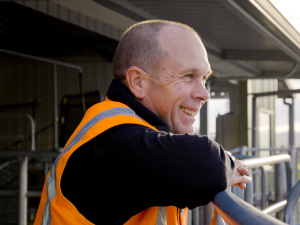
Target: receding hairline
[[164, 23]]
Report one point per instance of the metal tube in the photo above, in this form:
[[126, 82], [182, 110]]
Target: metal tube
[[7, 163], [235, 211], [254, 123], [204, 115], [275, 207], [254, 139], [23, 190], [275, 93], [292, 202], [189, 220], [32, 131], [82, 93], [269, 149], [287, 75], [294, 166], [263, 187], [208, 213], [291, 123], [31, 154], [280, 186], [55, 107], [32, 124], [196, 217], [258, 162], [42, 59]]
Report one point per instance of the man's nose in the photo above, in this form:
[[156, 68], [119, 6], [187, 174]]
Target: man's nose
[[201, 93]]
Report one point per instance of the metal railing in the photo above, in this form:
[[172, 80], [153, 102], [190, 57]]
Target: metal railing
[[232, 208], [55, 63], [22, 156], [236, 211]]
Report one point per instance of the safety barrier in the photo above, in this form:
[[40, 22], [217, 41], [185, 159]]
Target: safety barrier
[[232, 208]]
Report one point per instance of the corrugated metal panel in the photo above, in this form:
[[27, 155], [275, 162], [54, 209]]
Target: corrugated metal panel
[[214, 22], [23, 79]]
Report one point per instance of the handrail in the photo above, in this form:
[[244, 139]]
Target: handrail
[[275, 207], [236, 211], [258, 162], [292, 201], [32, 123], [7, 163], [26, 153]]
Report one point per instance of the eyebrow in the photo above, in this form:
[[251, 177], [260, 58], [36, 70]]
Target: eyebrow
[[196, 70]]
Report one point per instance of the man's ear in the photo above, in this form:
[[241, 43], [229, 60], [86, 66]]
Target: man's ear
[[136, 80]]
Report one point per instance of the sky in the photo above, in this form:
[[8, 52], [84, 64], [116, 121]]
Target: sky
[[290, 9]]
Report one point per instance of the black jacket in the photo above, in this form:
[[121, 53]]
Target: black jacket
[[129, 168]]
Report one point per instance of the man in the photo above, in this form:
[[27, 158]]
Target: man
[[134, 159]]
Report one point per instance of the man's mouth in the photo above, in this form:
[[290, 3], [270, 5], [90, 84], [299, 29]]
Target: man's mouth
[[188, 111]]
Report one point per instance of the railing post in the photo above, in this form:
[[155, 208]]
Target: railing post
[[55, 107], [23, 171], [196, 216], [264, 182], [243, 150], [280, 186], [294, 165], [190, 214], [208, 213]]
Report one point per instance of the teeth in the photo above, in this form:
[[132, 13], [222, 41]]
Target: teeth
[[188, 111]]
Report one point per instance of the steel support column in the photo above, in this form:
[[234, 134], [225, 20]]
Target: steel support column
[[204, 115], [23, 175], [55, 107]]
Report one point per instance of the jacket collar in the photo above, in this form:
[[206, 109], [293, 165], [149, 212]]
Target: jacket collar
[[120, 93]]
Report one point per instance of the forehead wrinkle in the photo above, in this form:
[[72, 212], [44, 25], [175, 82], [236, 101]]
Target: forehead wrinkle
[[170, 76]]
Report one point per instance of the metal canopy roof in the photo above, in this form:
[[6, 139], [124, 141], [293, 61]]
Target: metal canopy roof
[[229, 36], [35, 33], [244, 38]]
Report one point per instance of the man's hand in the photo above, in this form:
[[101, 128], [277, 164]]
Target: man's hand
[[240, 178]]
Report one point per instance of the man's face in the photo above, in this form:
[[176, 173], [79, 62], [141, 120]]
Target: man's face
[[179, 92]]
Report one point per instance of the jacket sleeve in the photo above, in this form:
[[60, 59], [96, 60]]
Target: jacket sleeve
[[181, 170]]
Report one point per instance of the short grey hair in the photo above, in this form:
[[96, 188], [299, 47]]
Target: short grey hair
[[139, 46]]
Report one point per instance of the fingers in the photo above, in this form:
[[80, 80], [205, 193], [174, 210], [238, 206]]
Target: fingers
[[240, 174], [242, 185], [243, 171], [241, 178], [239, 163]]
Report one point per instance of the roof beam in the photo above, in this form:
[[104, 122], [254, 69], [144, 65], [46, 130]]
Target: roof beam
[[260, 27], [255, 55]]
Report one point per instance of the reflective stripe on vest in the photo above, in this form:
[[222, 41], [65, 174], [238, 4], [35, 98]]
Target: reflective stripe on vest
[[51, 182]]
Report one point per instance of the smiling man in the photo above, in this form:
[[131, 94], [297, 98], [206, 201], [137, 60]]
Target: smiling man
[[134, 159]]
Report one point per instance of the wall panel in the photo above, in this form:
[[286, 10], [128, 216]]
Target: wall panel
[[23, 80]]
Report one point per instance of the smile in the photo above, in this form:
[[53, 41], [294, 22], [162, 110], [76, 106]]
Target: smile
[[187, 111]]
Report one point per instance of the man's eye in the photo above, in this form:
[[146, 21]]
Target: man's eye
[[188, 75]]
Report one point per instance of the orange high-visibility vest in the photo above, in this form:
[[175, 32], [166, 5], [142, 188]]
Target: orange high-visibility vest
[[56, 209]]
